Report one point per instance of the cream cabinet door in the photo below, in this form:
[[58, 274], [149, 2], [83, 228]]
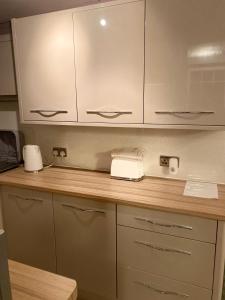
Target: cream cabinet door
[[28, 223], [109, 51], [86, 245], [185, 62], [7, 73], [44, 57]]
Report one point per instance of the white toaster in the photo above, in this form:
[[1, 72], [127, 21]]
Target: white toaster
[[127, 164]]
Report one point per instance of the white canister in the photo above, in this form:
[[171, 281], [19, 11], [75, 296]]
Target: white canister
[[32, 158]]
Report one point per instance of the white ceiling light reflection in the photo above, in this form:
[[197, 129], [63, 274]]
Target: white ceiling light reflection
[[205, 51], [103, 22]]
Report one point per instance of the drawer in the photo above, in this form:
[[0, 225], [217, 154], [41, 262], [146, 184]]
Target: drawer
[[134, 284], [168, 223], [177, 258]]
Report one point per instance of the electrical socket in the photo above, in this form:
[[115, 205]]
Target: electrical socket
[[59, 152], [164, 161]]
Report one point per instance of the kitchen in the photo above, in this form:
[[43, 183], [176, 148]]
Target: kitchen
[[92, 78]]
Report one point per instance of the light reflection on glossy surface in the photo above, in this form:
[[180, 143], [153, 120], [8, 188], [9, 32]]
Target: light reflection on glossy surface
[[185, 60], [103, 22]]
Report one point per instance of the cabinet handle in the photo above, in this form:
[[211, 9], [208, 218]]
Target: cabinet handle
[[108, 114], [162, 292], [48, 113], [25, 198], [164, 224], [155, 247], [88, 210], [185, 112]]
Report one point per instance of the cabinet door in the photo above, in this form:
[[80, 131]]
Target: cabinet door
[[86, 245], [109, 51], [28, 222], [185, 62], [44, 56], [7, 74]]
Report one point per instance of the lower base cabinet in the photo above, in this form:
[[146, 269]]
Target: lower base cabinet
[[86, 245], [138, 285], [113, 252], [29, 225]]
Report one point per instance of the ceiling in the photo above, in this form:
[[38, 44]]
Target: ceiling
[[21, 8]]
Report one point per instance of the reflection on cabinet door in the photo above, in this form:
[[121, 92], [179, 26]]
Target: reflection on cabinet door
[[185, 62], [86, 245], [44, 57], [28, 222], [134, 284], [109, 50], [7, 74]]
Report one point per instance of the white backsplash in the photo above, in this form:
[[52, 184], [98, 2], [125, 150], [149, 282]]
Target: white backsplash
[[202, 153]]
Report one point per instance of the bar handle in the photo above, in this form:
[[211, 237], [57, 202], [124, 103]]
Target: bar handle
[[48, 113], [26, 198], [159, 248], [162, 292], [87, 210], [108, 114], [164, 224], [184, 112]]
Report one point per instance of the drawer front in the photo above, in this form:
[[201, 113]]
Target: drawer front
[[168, 223], [177, 258], [133, 285]]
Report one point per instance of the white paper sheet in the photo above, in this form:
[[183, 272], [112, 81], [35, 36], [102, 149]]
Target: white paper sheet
[[201, 189]]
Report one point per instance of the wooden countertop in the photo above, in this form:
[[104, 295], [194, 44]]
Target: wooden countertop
[[28, 283], [154, 193]]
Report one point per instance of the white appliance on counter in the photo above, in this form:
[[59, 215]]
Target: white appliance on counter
[[127, 164], [32, 158]]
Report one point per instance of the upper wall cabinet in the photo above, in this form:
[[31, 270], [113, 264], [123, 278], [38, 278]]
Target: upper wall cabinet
[[44, 56], [109, 52], [185, 62], [7, 74]]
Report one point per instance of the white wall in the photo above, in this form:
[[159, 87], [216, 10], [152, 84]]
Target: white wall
[[202, 153]]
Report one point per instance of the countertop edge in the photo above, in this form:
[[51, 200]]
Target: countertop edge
[[115, 200]]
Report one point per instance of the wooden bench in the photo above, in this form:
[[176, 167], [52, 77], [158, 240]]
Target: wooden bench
[[5, 292], [28, 283]]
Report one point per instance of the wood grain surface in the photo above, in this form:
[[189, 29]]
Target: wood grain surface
[[155, 193], [28, 283]]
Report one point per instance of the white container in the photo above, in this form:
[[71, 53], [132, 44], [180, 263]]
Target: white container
[[127, 164], [32, 158]]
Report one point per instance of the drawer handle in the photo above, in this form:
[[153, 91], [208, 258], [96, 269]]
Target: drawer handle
[[155, 247], [164, 224], [185, 112], [108, 114], [162, 292], [88, 210], [25, 198], [48, 113]]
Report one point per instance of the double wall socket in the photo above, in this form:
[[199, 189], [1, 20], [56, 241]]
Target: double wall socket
[[59, 152], [164, 161]]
